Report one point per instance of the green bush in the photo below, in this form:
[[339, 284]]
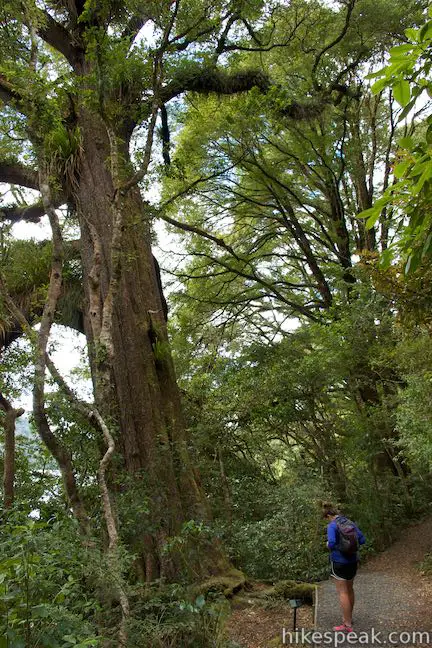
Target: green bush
[[170, 617], [44, 600], [288, 542]]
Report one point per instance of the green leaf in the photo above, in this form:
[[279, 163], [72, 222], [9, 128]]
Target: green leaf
[[408, 264], [421, 164], [373, 217], [402, 92], [413, 262], [400, 67], [406, 110], [372, 214], [425, 176], [400, 49], [401, 168], [379, 85], [406, 142], [412, 34], [427, 245], [416, 220], [14, 640], [374, 75], [426, 31], [386, 258], [41, 611]]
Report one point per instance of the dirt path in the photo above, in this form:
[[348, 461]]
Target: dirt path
[[256, 626], [391, 594]]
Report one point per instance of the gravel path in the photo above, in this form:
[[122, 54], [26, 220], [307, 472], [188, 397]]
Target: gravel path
[[391, 594]]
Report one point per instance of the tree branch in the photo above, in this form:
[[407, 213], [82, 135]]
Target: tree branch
[[15, 214], [28, 213], [206, 80], [335, 41], [135, 24], [60, 453], [15, 173], [96, 420], [10, 95], [223, 37], [54, 445], [58, 37], [272, 290]]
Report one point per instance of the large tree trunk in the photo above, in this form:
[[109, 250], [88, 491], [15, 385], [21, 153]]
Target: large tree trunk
[[144, 398]]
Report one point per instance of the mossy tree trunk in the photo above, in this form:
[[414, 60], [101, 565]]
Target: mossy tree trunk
[[142, 398], [81, 126]]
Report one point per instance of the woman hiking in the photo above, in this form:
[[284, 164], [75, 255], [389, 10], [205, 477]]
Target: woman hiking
[[343, 540]]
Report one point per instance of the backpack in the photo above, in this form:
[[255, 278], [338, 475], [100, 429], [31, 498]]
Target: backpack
[[348, 537]]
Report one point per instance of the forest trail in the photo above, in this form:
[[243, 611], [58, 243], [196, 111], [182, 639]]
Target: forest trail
[[391, 596], [391, 593]]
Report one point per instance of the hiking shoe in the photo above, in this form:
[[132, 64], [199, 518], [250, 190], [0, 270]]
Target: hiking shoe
[[342, 628]]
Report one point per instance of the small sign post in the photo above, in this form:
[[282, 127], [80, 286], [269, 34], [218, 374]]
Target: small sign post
[[294, 604]]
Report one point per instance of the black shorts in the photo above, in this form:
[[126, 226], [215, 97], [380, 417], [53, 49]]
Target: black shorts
[[343, 571]]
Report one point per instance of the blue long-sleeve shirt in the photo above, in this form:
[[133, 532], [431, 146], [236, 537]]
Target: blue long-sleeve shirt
[[333, 541]]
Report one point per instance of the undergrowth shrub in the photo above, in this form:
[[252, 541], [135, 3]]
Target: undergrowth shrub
[[45, 600], [57, 593], [170, 617], [284, 539]]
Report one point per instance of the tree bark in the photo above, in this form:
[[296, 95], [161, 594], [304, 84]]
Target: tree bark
[[11, 416], [143, 397]]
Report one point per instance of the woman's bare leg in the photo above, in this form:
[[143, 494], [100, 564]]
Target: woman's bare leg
[[350, 585], [346, 600]]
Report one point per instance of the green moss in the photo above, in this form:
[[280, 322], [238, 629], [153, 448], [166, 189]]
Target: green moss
[[227, 584], [425, 566], [289, 589], [161, 350]]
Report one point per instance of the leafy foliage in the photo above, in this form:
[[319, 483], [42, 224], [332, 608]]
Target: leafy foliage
[[36, 578], [408, 76]]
